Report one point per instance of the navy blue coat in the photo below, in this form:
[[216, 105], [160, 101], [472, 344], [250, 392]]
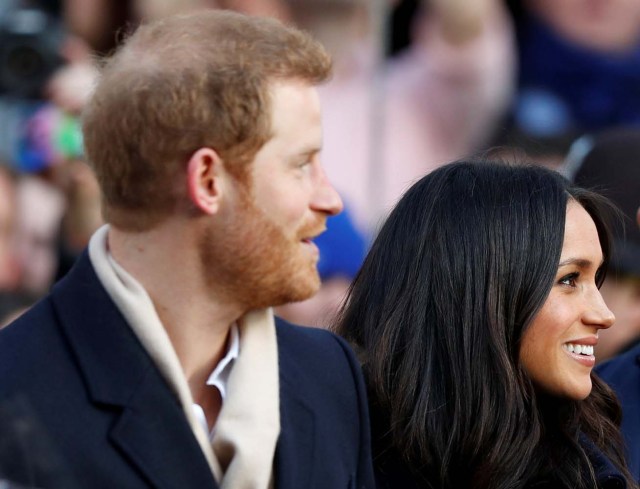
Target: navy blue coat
[[622, 373], [393, 473], [116, 423]]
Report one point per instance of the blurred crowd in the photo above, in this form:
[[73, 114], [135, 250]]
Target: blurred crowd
[[417, 83]]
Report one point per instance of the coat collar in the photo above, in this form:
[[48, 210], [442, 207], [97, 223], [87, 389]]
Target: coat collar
[[607, 474], [151, 428]]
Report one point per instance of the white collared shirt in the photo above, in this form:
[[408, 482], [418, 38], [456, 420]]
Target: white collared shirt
[[220, 376]]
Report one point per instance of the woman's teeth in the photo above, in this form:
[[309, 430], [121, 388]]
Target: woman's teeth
[[579, 349]]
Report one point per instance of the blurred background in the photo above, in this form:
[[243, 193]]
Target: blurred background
[[417, 83]]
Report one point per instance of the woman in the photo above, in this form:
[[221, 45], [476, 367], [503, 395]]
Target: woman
[[476, 313]]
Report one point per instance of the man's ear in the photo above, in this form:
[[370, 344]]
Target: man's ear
[[205, 173]]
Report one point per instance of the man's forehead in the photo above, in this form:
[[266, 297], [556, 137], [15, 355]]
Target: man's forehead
[[295, 106]]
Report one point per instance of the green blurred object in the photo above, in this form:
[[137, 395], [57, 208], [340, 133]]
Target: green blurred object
[[68, 137]]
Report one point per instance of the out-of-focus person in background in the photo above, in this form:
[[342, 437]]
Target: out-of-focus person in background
[[400, 118], [609, 162], [579, 72], [16, 271], [31, 39], [623, 374], [9, 268], [37, 128], [40, 207]]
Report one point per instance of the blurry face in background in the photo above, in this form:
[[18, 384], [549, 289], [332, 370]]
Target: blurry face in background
[[40, 208], [622, 295], [603, 25], [557, 349], [155, 9], [337, 24], [8, 262]]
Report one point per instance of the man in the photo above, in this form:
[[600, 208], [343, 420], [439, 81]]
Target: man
[[157, 361]]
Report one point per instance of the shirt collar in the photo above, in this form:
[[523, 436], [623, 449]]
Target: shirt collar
[[220, 375]]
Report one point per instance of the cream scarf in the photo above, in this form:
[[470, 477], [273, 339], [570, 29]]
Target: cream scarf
[[246, 432]]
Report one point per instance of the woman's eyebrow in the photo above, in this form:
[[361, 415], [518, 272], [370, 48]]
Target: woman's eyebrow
[[579, 262]]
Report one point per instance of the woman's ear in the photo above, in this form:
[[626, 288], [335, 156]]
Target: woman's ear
[[205, 172]]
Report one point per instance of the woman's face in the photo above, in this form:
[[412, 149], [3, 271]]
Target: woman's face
[[557, 349]]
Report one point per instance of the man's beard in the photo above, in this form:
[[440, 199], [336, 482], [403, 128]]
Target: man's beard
[[251, 261]]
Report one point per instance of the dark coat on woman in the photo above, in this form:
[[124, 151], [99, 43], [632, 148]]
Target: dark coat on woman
[[623, 376], [392, 472]]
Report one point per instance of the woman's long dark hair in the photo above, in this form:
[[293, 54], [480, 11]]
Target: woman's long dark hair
[[457, 273]]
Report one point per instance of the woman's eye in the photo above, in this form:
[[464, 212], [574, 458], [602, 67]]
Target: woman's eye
[[569, 280]]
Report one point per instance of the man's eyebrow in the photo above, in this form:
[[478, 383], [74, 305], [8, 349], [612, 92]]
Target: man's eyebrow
[[309, 150], [306, 152], [579, 262]]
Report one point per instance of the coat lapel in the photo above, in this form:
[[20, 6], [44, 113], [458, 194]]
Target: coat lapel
[[150, 429], [156, 438], [294, 459]]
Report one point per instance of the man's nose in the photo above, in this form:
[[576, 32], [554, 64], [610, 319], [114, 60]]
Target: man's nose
[[326, 198]]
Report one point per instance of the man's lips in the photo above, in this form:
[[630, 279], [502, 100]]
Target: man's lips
[[309, 234]]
